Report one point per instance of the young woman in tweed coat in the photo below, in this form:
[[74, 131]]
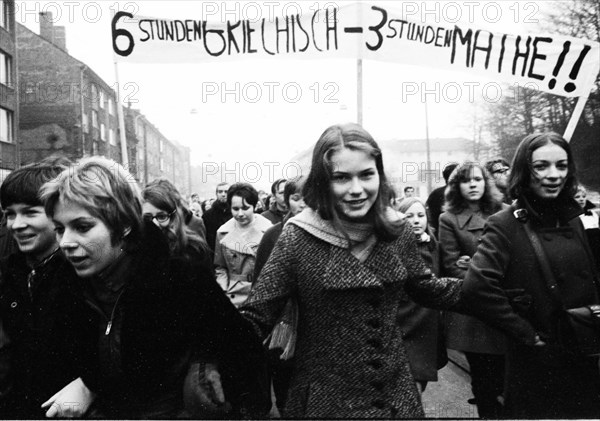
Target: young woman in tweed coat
[[348, 262]]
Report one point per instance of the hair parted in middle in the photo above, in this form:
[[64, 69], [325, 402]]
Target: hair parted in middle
[[317, 189], [522, 171], [104, 189], [163, 195], [490, 202]]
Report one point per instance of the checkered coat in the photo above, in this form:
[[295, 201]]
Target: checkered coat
[[350, 358]]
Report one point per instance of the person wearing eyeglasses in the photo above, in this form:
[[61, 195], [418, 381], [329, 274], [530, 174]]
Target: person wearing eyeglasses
[[499, 169], [163, 206]]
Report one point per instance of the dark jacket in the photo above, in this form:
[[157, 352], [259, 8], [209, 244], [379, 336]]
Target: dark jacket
[[266, 247], [505, 286], [165, 312], [274, 215], [45, 330], [459, 235], [421, 327], [434, 203], [194, 223], [213, 218], [350, 357]]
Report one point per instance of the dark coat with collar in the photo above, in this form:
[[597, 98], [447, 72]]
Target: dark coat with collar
[[422, 327], [274, 214], [350, 358], [43, 334], [460, 235], [213, 218], [505, 286], [169, 310]]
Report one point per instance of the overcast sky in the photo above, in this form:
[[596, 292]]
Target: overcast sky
[[171, 95]]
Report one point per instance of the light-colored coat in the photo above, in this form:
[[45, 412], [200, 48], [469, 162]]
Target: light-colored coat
[[350, 357], [460, 235], [235, 255]]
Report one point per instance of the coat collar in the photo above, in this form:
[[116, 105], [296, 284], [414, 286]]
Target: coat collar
[[243, 241], [470, 220], [383, 266], [564, 210]]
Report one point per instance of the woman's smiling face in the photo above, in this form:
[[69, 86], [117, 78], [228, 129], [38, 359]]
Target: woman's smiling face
[[354, 183]]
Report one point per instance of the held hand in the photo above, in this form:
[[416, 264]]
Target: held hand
[[463, 262], [72, 401], [213, 384], [394, 216], [538, 341], [203, 391]]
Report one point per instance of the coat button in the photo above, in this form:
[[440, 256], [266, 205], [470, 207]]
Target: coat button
[[377, 385], [374, 342], [374, 302], [376, 364], [378, 403], [374, 323]]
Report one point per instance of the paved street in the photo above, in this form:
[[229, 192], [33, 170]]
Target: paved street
[[447, 398]]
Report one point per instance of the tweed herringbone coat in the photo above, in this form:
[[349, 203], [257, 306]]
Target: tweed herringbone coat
[[350, 357]]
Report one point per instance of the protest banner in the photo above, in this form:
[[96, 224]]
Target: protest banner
[[556, 64]]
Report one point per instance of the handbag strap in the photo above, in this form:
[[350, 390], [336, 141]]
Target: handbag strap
[[541, 257]]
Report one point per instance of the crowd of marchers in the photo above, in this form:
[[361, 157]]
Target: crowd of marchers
[[120, 302]]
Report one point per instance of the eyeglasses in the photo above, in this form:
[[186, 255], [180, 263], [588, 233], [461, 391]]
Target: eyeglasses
[[501, 171], [161, 217]]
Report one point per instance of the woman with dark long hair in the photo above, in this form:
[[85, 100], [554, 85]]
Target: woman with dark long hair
[[347, 260], [471, 198], [532, 270], [163, 206]]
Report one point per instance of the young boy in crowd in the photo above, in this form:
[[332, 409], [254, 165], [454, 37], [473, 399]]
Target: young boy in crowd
[[42, 328]]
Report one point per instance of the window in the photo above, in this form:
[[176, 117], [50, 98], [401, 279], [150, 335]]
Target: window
[[111, 137], [94, 97], [111, 106], [161, 164], [4, 14], [101, 98], [160, 147], [95, 119], [5, 68], [95, 148], [102, 132], [86, 124], [6, 125]]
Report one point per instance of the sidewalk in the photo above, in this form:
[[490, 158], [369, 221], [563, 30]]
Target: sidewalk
[[447, 398]]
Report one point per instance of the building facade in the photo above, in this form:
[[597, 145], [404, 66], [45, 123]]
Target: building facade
[[9, 110], [66, 109], [158, 156]]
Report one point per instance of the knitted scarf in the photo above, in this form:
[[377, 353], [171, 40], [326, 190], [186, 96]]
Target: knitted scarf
[[362, 237]]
